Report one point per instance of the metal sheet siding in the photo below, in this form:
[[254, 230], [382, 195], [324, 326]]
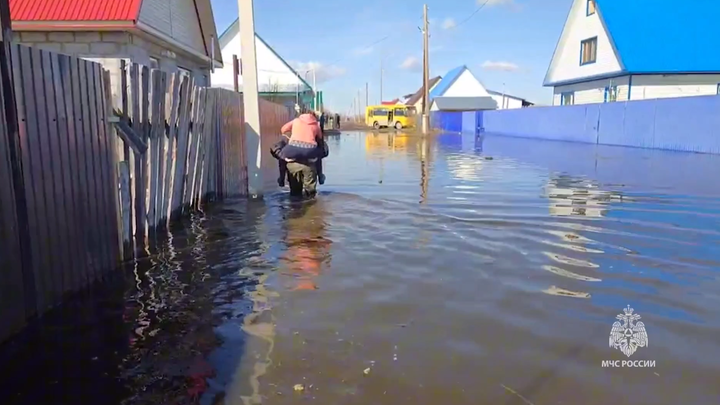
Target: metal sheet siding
[[664, 36], [185, 25], [175, 18], [74, 10]]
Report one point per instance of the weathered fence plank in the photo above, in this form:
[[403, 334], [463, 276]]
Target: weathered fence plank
[[57, 199], [170, 157], [68, 185], [59, 73], [179, 177], [12, 312]]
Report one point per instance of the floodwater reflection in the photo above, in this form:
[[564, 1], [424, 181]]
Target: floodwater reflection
[[452, 268]]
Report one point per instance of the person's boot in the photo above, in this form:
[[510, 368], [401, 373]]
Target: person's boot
[[281, 181], [321, 178]]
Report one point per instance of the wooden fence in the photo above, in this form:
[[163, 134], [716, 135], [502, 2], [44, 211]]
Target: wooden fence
[[183, 145], [74, 194], [68, 177]]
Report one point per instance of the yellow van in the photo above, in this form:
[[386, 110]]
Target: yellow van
[[395, 116]]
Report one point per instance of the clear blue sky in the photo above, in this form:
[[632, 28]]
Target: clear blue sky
[[508, 41]]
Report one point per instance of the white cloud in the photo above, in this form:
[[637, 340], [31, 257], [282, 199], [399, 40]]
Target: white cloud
[[448, 24], [411, 63], [322, 73], [500, 65]]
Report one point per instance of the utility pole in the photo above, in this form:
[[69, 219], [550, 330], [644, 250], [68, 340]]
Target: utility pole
[[426, 74], [381, 80], [251, 99], [315, 103], [367, 101]]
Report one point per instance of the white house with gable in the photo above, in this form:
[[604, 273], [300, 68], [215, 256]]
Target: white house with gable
[[613, 50], [277, 80], [460, 90]]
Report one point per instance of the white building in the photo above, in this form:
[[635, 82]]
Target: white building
[[460, 90], [613, 50], [507, 101], [277, 80], [416, 98]]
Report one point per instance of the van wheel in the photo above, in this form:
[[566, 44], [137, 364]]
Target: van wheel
[[398, 125], [376, 125]]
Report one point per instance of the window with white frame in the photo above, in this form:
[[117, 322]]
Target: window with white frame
[[591, 9], [567, 98], [588, 51], [611, 93]]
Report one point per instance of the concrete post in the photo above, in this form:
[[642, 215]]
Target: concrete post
[[253, 141]]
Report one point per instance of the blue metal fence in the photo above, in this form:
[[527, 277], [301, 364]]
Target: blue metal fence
[[681, 124], [457, 121]]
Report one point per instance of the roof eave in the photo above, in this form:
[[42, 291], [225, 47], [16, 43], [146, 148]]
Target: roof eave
[[628, 73], [101, 25], [147, 29]]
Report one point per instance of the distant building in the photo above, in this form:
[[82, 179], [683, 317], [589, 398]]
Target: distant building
[[416, 98], [277, 80], [506, 101], [460, 90], [612, 50], [155, 33]]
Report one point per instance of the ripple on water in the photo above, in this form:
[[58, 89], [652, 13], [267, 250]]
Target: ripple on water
[[451, 277]]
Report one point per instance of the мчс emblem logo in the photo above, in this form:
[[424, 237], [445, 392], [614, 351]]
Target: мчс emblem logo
[[628, 333]]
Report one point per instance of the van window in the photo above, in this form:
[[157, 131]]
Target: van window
[[380, 112], [400, 112]]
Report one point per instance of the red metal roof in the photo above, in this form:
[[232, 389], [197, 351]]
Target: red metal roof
[[74, 10]]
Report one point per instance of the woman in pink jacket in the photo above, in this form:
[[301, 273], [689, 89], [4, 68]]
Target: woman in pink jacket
[[306, 144]]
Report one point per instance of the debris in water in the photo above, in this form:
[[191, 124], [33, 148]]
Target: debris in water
[[299, 387], [488, 158], [366, 371], [512, 391]]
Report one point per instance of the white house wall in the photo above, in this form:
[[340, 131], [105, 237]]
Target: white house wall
[[273, 74], [663, 86], [578, 27], [593, 91], [176, 19], [643, 87], [466, 86], [507, 102]]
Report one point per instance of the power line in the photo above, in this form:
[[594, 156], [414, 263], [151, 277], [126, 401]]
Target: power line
[[477, 10]]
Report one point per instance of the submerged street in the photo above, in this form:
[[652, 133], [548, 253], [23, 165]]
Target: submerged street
[[449, 269]]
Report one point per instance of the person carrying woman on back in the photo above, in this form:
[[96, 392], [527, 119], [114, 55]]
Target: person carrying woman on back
[[304, 145]]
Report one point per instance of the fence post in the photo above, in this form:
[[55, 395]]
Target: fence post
[[10, 111], [251, 98]]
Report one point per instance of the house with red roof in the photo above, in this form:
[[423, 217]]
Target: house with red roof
[[170, 35]]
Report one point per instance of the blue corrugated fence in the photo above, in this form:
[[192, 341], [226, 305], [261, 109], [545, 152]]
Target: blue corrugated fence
[[457, 121], [682, 124]]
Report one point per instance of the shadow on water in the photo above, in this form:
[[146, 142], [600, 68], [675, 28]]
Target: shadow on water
[[452, 268]]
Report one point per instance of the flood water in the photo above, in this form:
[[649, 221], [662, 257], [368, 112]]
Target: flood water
[[451, 269]]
